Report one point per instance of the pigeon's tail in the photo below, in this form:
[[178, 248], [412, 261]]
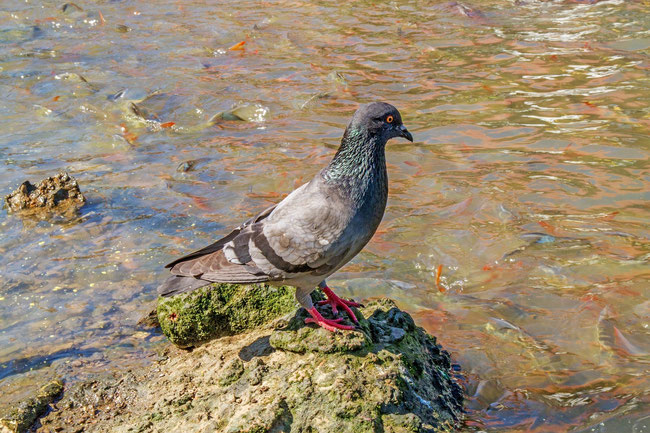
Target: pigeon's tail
[[177, 284]]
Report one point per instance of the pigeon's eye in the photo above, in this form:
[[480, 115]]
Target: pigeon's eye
[[389, 119]]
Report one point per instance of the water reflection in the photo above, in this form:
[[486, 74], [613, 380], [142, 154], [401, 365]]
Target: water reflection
[[528, 181]]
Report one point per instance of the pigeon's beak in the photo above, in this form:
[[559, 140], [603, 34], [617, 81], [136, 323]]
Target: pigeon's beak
[[403, 132]]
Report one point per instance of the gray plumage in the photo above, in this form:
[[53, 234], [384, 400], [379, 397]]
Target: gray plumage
[[315, 230]]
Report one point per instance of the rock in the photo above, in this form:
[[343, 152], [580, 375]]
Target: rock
[[21, 417], [390, 376], [233, 370], [84, 402], [57, 194], [389, 373], [296, 337], [190, 319], [149, 320]]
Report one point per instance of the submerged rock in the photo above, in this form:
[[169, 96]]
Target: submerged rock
[[186, 165], [57, 194], [21, 417], [244, 112], [213, 311], [389, 376]]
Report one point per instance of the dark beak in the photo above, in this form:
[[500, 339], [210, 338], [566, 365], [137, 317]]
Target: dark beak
[[403, 132]]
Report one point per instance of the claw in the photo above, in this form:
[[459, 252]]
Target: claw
[[329, 324], [345, 301], [336, 302]]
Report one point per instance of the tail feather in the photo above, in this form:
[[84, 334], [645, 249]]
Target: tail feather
[[177, 284]]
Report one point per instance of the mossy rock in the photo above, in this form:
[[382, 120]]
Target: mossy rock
[[25, 413], [388, 376], [219, 309], [296, 337]]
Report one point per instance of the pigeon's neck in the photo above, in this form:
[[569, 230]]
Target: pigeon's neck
[[359, 164]]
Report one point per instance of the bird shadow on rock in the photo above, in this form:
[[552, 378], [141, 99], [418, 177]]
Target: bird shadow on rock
[[258, 348]]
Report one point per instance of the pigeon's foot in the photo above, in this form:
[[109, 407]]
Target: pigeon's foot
[[335, 302], [330, 325]]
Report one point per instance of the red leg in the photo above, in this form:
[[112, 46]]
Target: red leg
[[336, 302], [330, 325]]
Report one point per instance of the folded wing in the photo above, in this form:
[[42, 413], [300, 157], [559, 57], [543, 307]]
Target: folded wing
[[307, 233]]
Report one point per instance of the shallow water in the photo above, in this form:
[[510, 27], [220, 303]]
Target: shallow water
[[528, 180]]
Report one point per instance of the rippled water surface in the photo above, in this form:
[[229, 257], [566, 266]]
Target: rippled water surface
[[528, 180]]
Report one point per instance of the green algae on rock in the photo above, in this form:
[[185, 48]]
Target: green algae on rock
[[296, 337], [219, 309], [21, 417]]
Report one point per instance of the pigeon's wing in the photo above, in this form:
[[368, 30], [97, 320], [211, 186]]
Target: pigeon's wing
[[215, 264], [309, 231], [176, 284], [218, 245]]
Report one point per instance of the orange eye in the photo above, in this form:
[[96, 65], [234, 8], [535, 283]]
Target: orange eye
[[389, 119]]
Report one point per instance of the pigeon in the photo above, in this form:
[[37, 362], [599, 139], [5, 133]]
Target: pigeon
[[314, 231]]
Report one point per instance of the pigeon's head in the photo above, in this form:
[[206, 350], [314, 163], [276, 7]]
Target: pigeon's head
[[380, 120]]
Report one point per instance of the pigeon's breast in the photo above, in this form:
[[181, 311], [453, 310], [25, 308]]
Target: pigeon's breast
[[366, 219]]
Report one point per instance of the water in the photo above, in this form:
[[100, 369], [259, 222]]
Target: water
[[528, 180]]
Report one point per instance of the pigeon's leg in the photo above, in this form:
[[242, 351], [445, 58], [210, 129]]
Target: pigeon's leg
[[336, 302], [303, 297]]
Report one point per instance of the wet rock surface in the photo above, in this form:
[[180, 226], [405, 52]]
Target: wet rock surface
[[59, 194], [23, 415], [389, 376]]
